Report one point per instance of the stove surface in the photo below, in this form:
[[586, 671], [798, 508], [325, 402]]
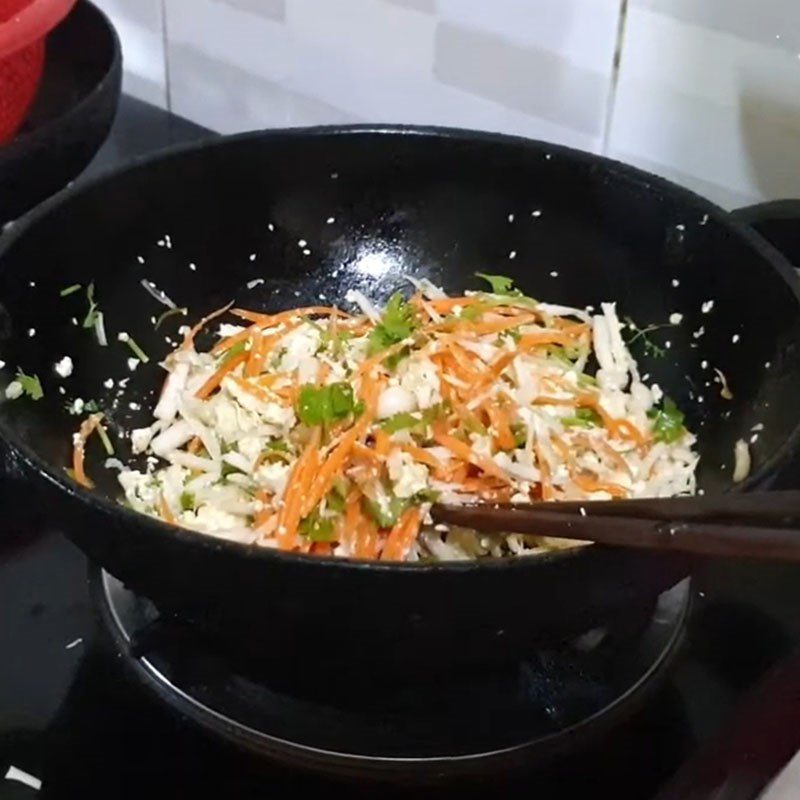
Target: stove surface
[[75, 717]]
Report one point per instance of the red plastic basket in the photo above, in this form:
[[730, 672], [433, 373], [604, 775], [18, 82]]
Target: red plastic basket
[[24, 25]]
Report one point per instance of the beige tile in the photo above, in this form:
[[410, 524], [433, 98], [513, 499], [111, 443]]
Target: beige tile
[[536, 82], [272, 9]]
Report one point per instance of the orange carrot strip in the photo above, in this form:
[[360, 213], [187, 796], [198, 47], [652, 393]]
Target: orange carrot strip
[[544, 470], [225, 344], [588, 484], [500, 421], [165, 512], [367, 538], [188, 339], [290, 513], [463, 451], [270, 320], [422, 455], [88, 426], [194, 445], [402, 536], [216, 379], [254, 362], [382, 442]]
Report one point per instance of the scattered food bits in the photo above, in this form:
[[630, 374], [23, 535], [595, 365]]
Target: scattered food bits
[[192, 266], [134, 406], [735, 338], [122, 336], [2, 364], [676, 283], [754, 438], [133, 363], [270, 227], [64, 367], [675, 318], [510, 217], [252, 256], [109, 383], [704, 220], [330, 220], [14, 390], [32, 284], [74, 643], [767, 364], [537, 213], [554, 273], [32, 332], [680, 227], [512, 255], [306, 251], [140, 259], [707, 306]]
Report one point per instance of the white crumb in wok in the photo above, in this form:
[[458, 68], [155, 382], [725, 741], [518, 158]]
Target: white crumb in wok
[[62, 390], [680, 227], [754, 438], [536, 213], [704, 364], [735, 338], [25, 778], [122, 336], [73, 643], [161, 243], [2, 364], [306, 251], [767, 365], [554, 274], [32, 284], [675, 318], [255, 282], [64, 367], [270, 226], [153, 320], [134, 406], [76, 407], [583, 511], [330, 220], [109, 383], [512, 255], [133, 363], [699, 332], [74, 321], [334, 175], [192, 266], [759, 426], [13, 390], [668, 344], [510, 217], [140, 259], [676, 283], [32, 332], [252, 256], [302, 243], [704, 220], [707, 306], [742, 461]]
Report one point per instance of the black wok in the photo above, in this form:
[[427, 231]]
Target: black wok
[[374, 205]]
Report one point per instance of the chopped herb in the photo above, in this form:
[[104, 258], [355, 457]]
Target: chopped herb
[[170, 312], [500, 284], [31, 385], [586, 380], [427, 496], [90, 320], [326, 404], [474, 311], [398, 322], [335, 342], [234, 351], [583, 418], [68, 290], [386, 514], [316, 528], [91, 406], [228, 469], [520, 434], [187, 501], [391, 362], [667, 422], [137, 351], [101, 432], [335, 502], [650, 347], [278, 445], [416, 422], [399, 422]]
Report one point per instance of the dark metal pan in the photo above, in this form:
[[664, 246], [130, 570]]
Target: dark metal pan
[[375, 204]]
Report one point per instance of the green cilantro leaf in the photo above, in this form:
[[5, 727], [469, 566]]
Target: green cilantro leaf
[[398, 322], [325, 404], [187, 501], [386, 515], [667, 422], [316, 528], [91, 315], [500, 284], [583, 418], [31, 385]]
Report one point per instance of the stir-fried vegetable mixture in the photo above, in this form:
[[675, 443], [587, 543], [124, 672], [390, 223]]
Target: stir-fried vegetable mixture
[[318, 430]]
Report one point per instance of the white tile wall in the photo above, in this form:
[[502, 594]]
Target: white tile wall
[[709, 94], [708, 90], [140, 26]]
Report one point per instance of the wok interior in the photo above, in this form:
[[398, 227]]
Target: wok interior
[[373, 208]]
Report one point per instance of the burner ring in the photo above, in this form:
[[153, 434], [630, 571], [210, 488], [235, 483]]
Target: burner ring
[[521, 718]]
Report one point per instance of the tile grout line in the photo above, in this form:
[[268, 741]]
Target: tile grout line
[[615, 72], [165, 46]]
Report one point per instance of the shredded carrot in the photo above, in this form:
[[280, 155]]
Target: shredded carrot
[[188, 339], [88, 426], [588, 484], [194, 445], [422, 455], [402, 536], [545, 473], [290, 514], [164, 510], [382, 442], [500, 420], [463, 451], [223, 345], [256, 359], [216, 379]]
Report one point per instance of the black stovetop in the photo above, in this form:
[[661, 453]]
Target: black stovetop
[[72, 714]]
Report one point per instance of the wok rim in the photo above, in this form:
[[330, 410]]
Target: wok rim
[[616, 169]]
